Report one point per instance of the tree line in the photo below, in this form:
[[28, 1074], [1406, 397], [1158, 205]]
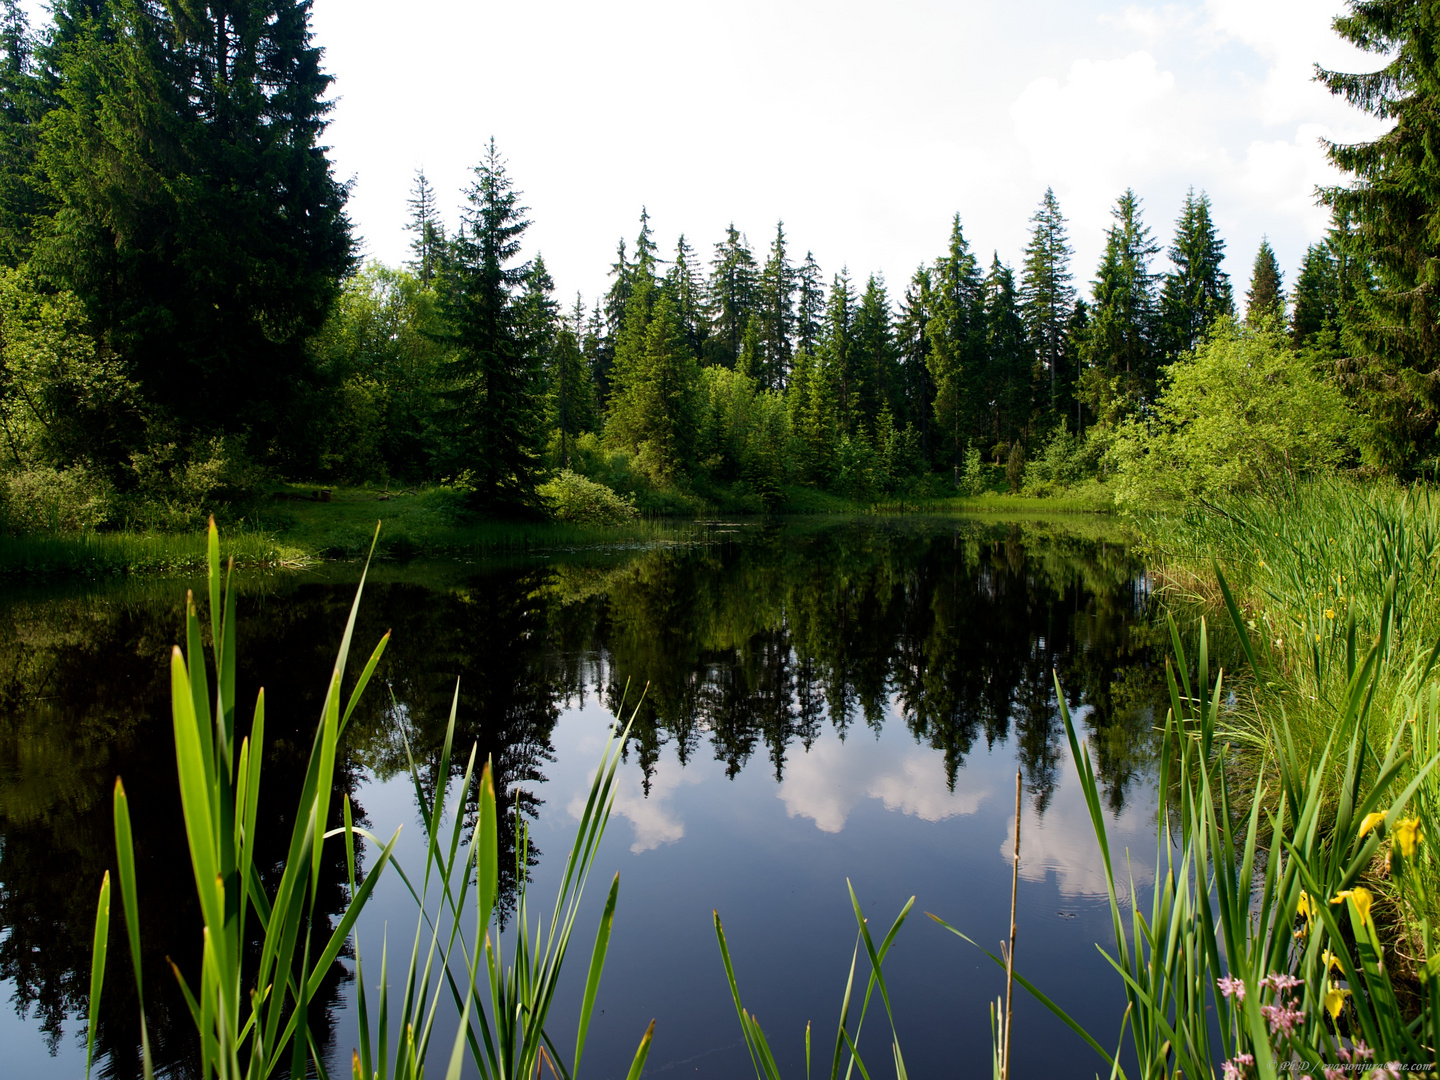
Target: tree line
[[183, 314]]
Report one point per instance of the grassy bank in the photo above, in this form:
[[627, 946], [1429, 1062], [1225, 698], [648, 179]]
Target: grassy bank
[[1321, 573], [293, 528]]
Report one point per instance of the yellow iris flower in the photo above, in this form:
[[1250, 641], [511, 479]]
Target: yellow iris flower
[[1335, 1001], [1362, 899], [1371, 821], [1408, 836]]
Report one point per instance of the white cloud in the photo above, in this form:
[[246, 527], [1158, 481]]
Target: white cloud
[[653, 817], [829, 781]]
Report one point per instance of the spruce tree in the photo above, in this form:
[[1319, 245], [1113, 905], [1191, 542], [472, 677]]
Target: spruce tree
[[917, 390], [1266, 298], [491, 404], [191, 206], [1317, 297], [1046, 295], [837, 354], [810, 307], [1196, 292], [428, 245], [21, 110], [874, 357], [570, 392], [1121, 352], [1010, 368], [1384, 216], [777, 312], [732, 291], [687, 296], [956, 331], [646, 250]]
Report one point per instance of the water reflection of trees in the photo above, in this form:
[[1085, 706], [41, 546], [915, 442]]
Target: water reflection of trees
[[757, 645], [747, 651], [85, 697]]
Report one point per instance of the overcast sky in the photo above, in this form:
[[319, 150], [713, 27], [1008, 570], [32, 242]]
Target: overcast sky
[[863, 126]]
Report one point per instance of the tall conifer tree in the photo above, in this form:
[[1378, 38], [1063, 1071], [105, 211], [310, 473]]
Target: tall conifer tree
[[837, 353], [428, 246], [1317, 296], [1196, 292], [688, 296], [913, 343], [732, 296], [875, 360], [1121, 351], [191, 205], [956, 331], [810, 309], [493, 398], [1385, 225], [777, 312], [1266, 298], [1010, 368], [1046, 295]]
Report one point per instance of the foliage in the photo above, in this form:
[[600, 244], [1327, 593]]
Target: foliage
[[63, 401], [1197, 292], [188, 203], [1384, 230], [1243, 410], [571, 497], [381, 355], [43, 499], [1063, 461]]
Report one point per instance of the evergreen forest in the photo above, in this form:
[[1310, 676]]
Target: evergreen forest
[[185, 321]]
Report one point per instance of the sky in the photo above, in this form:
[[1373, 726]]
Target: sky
[[864, 127]]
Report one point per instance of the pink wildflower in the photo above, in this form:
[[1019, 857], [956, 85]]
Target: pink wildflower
[[1281, 983], [1334, 1072], [1361, 1051], [1231, 987], [1282, 1018]]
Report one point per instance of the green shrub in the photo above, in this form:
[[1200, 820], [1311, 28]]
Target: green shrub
[[1241, 412], [972, 476], [179, 487], [1064, 460], [42, 499], [576, 499]]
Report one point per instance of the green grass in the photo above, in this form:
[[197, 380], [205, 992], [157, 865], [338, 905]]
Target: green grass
[[1320, 572], [291, 530], [109, 554]]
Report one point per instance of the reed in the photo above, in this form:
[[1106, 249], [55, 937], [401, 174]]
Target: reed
[[1258, 953], [251, 1009]]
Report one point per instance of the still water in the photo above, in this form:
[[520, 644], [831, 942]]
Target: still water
[[823, 702]]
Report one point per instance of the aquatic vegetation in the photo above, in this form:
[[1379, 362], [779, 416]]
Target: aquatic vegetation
[[1260, 953], [251, 1007]]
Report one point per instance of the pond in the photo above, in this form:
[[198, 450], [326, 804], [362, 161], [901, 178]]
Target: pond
[[821, 702]]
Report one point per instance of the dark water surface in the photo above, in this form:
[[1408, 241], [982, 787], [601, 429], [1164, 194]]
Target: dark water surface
[[848, 700]]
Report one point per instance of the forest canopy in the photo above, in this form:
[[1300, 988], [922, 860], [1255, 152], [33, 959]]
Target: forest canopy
[[183, 317]]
